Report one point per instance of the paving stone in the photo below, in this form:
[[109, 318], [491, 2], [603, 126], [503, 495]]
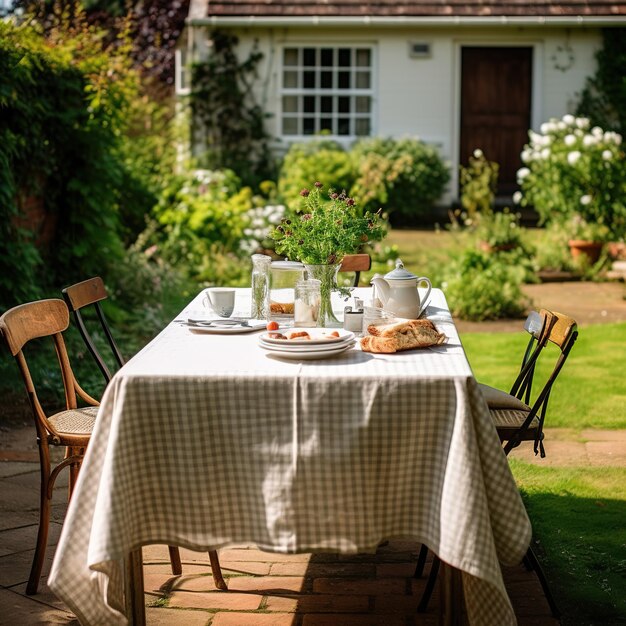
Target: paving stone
[[314, 570], [18, 610], [250, 554], [218, 600], [12, 468], [393, 570], [255, 619], [353, 620], [267, 584], [361, 586], [176, 617], [15, 519], [403, 604], [44, 595], [19, 539], [15, 568], [317, 603]]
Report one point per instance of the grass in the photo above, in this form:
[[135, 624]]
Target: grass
[[590, 391], [578, 514]]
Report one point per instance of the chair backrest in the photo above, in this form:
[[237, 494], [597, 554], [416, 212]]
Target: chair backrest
[[91, 292], [44, 318], [356, 263], [562, 331]]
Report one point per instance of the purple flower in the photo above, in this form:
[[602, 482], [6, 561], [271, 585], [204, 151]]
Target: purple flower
[[306, 217], [319, 185], [349, 201], [305, 193], [334, 196]]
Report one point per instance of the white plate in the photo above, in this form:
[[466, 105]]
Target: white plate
[[288, 344], [309, 355], [305, 349], [234, 329], [316, 335]]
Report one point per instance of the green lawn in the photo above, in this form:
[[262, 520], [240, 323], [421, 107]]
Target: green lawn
[[590, 391]]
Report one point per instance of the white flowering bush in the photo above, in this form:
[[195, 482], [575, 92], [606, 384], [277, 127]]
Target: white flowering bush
[[575, 175], [260, 221]]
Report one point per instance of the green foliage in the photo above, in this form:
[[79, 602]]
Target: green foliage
[[603, 100], [231, 122], [324, 231], [405, 176], [479, 182], [483, 287], [573, 170], [499, 231], [323, 160]]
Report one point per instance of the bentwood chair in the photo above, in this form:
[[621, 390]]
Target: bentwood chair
[[356, 263], [92, 292], [516, 420], [70, 428]]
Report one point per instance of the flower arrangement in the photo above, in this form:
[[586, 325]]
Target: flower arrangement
[[573, 170], [324, 231]]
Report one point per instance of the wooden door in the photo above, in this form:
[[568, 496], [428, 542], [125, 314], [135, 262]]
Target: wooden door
[[495, 107]]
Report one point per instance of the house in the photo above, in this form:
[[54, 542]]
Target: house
[[459, 74]]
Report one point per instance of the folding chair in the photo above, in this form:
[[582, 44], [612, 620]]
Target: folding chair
[[91, 292]]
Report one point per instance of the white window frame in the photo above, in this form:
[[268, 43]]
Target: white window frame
[[182, 72], [318, 91]]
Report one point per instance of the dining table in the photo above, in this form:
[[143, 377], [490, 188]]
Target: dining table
[[204, 439]]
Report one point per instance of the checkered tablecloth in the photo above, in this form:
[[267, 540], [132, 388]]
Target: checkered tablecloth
[[206, 440]]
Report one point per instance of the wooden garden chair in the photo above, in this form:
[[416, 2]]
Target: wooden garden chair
[[517, 420], [356, 263], [92, 292]]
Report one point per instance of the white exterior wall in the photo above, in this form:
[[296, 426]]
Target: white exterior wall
[[420, 96]]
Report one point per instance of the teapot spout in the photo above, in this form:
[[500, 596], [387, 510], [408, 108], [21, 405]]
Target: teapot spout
[[382, 289]]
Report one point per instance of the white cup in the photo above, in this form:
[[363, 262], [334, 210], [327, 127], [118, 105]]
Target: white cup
[[221, 300]]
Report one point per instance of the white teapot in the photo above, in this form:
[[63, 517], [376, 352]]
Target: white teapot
[[398, 293]]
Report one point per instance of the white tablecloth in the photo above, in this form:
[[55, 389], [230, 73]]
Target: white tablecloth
[[206, 440]]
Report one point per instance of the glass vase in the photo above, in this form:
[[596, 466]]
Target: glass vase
[[327, 275]]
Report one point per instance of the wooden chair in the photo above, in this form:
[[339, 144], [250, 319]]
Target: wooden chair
[[356, 263], [70, 428], [91, 292], [516, 420]]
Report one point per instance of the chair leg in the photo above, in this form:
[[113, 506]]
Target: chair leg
[[177, 566], [74, 467], [531, 559], [218, 579], [430, 585], [44, 521], [421, 561]]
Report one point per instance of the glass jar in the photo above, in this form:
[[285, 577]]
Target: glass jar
[[283, 278], [260, 287], [307, 303]]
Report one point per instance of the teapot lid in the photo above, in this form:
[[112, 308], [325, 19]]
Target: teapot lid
[[400, 273]]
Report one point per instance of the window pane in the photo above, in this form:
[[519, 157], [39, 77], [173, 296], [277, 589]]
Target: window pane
[[343, 80], [290, 104], [290, 56], [308, 80], [308, 56], [308, 125], [290, 80], [290, 126], [362, 127], [326, 123], [326, 80], [327, 57], [344, 57], [363, 58], [327, 104], [344, 104], [362, 80], [309, 104], [343, 126], [362, 104]]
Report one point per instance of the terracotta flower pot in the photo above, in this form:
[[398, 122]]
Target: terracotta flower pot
[[616, 250], [589, 249]]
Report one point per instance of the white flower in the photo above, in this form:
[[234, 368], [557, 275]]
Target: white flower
[[545, 153], [617, 138], [526, 156], [572, 157], [585, 200], [535, 137], [589, 140], [607, 155], [546, 127], [561, 125], [610, 136], [517, 197], [596, 131], [570, 140], [582, 122], [522, 173], [478, 153], [569, 119]]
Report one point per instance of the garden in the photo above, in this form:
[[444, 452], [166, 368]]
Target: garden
[[92, 183]]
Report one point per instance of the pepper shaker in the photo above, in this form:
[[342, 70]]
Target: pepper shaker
[[353, 320]]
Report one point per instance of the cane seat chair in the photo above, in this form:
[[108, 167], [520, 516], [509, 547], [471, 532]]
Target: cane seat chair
[[70, 428], [517, 420], [356, 263], [90, 293]]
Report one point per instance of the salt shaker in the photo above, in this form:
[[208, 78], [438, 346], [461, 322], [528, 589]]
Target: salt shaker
[[353, 319], [307, 303]]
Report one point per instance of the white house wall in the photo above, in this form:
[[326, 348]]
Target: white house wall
[[420, 96]]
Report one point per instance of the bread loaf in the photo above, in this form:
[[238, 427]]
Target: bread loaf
[[404, 335]]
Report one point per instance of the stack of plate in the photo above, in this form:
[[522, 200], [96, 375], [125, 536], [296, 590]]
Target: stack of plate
[[321, 344]]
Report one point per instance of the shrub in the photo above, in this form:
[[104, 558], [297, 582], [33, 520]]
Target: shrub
[[479, 182], [481, 287], [573, 170], [404, 176]]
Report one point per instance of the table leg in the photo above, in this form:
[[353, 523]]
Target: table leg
[[133, 589], [451, 603]]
